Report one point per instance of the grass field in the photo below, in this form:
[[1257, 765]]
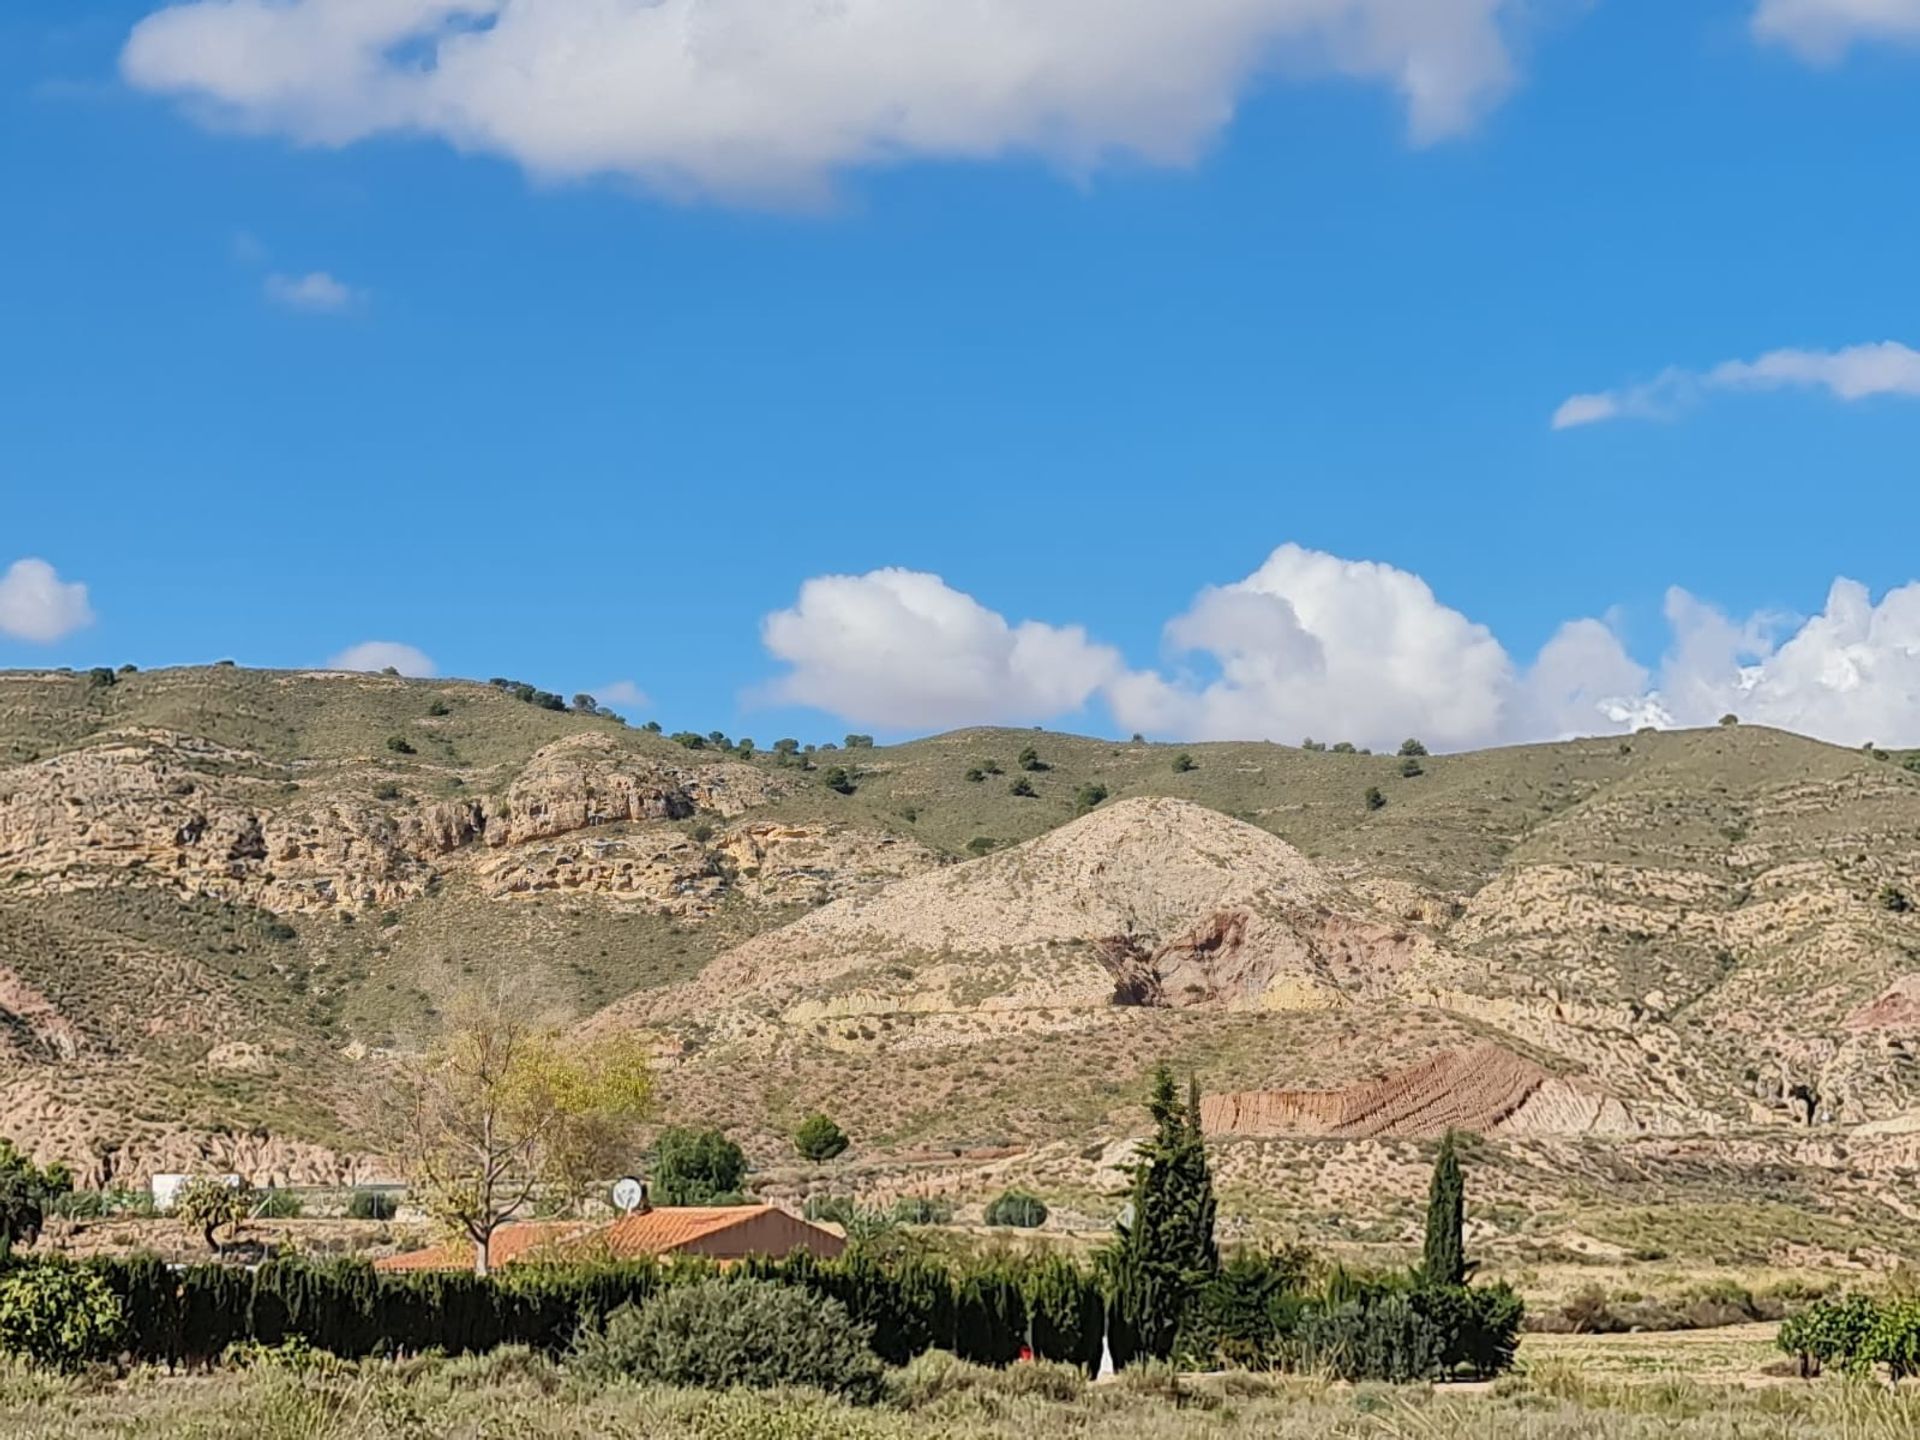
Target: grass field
[[1618, 1389]]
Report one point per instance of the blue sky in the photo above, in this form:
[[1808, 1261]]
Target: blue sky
[[290, 362]]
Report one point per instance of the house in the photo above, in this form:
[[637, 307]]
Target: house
[[717, 1232]]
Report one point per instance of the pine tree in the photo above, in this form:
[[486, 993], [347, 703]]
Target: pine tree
[[1164, 1248], [1444, 1259]]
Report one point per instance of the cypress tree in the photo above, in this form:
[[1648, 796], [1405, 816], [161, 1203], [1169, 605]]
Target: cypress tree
[[1164, 1248], [1444, 1257]]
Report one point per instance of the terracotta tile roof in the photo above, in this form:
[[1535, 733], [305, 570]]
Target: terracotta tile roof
[[649, 1232]]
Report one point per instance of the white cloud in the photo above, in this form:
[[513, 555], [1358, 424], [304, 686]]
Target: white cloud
[[37, 605], [1823, 30], [623, 695], [317, 293], [1314, 645], [899, 648], [767, 99], [384, 655], [1857, 372]]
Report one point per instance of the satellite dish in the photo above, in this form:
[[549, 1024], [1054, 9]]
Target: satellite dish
[[629, 1194]]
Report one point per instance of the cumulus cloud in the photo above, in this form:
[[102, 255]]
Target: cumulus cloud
[[1311, 644], [900, 648], [385, 655], [1857, 372], [37, 605], [316, 293], [1823, 30], [769, 98]]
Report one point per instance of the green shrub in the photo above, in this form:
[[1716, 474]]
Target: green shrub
[[975, 775], [1374, 799], [836, 778], [818, 1138], [1384, 1337], [1018, 1209], [937, 1377], [1834, 1332], [1412, 747], [399, 745], [697, 1167], [719, 1334], [1029, 759], [59, 1316], [1022, 788], [1410, 768], [1183, 762], [981, 844], [1246, 1315], [1088, 796], [371, 1205], [1895, 1341], [439, 708]]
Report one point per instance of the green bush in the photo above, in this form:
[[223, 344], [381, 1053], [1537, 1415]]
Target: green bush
[[1021, 787], [818, 1138], [1374, 799], [1018, 1209], [371, 1205], [720, 1334], [1383, 1337], [1837, 1332], [399, 745], [1412, 747], [59, 1316], [836, 778], [1183, 762], [697, 1167], [921, 1210]]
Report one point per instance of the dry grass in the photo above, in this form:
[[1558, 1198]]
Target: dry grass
[[515, 1395]]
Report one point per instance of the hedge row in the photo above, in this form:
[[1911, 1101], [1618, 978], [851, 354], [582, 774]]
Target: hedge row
[[190, 1316], [1254, 1313], [1854, 1334]]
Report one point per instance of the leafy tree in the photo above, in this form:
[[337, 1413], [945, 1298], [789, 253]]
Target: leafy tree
[[1313, 746], [1375, 800], [210, 1206], [717, 739], [504, 1110], [60, 1316], [1029, 759], [1183, 762], [859, 742], [1410, 767], [585, 704], [371, 1205], [836, 778], [1729, 719], [745, 747], [1444, 1256], [785, 746], [1346, 747], [1088, 796], [652, 727], [1138, 738], [101, 677], [1016, 1209], [690, 740], [1164, 1247], [818, 1138], [697, 1167], [26, 1193], [1412, 747]]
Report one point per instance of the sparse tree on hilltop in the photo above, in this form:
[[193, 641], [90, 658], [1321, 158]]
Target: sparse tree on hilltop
[[1412, 747]]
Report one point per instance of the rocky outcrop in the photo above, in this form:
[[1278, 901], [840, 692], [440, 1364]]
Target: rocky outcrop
[[222, 823]]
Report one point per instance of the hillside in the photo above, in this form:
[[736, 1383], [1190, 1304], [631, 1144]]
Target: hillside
[[226, 895]]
